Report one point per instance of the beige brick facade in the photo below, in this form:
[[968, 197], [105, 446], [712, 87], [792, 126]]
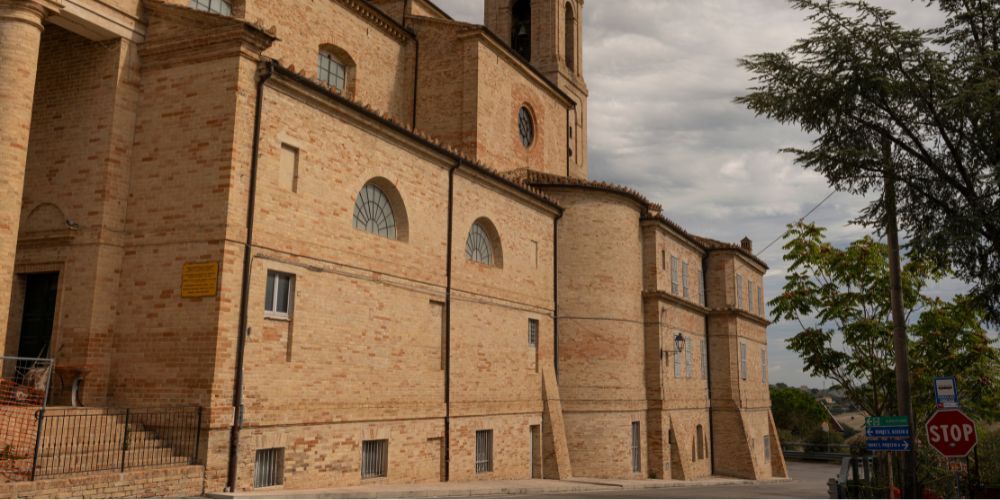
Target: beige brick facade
[[551, 352]]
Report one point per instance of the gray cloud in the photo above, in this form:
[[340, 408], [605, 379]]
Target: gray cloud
[[662, 76]]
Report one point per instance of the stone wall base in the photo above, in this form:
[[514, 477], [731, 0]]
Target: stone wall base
[[165, 482]]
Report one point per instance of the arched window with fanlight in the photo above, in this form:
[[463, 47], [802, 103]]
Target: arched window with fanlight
[[482, 245], [379, 210], [224, 7]]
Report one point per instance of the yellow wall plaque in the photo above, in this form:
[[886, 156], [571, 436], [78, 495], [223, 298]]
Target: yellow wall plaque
[[200, 279]]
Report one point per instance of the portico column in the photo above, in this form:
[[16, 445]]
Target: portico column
[[20, 35]]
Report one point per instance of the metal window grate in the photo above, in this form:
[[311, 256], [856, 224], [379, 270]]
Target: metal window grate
[[269, 468], [374, 458], [636, 449], [533, 332], [484, 451]]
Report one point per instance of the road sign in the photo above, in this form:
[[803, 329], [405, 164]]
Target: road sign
[[887, 421], [896, 432], [946, 392], [951, 433], [890, 445]]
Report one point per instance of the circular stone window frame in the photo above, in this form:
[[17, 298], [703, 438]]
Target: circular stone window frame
[[525, 109]]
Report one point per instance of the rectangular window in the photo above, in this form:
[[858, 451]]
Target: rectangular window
[[332, 71], [534, 246], [763, 364], [269, 468], [677, 361], [704, 360], [750, 295], [684, 277], [663, 259], [533, 332], [760, 300], [288, 169], [739, 291], [636, 448], [701, 286], [484, 451], [278, 295], [374, 458], [689, 358], [767, 449], [743, 361], [673, 275]]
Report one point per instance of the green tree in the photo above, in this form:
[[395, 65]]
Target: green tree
[[796, 411], [860, 80], [840, 299]]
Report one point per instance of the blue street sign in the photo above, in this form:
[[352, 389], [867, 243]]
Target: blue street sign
[[946, 392], [889, 445], [896, 432]]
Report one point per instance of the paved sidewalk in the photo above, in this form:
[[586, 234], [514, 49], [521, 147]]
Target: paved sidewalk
[[488, 488]]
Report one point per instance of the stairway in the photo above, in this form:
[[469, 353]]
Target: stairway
[[78, 440]]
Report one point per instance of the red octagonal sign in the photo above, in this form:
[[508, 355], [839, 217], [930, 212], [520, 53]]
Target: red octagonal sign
[[951, 433]]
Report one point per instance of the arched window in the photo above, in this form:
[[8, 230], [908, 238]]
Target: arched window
[[526, 126], [336, 69], [700, 436], [570, 38], [378, 209], [223, 7], [483, 244], [520, 28]]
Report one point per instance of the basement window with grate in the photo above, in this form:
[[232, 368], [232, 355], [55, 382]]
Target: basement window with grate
[[484, 451], [374, 458], [269, 468], [636, 448]]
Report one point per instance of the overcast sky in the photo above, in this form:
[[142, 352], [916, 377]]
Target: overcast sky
[[662, 76]]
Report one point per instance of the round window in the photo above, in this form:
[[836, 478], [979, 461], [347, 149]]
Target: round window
[[526, 126]]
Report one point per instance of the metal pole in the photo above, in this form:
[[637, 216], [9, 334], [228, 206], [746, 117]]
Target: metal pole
[[899, 339], [40, 415]]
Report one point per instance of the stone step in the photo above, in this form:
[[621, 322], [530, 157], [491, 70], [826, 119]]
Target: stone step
[[83, 462]]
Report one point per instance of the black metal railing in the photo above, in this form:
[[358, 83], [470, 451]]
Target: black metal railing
[[816, 451], [75, 441]]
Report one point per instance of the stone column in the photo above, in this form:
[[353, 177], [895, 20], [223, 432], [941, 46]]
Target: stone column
[[20, 35]]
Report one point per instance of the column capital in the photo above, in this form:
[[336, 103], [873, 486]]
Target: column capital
[[29, 11]]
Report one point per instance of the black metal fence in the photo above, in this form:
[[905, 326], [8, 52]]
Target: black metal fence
[[78, 441]]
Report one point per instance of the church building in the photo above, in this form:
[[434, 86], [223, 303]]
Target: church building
[[360, 238]]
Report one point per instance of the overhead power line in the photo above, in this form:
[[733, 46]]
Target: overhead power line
[[820, 204]]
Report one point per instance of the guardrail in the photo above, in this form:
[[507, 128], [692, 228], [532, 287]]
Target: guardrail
[[827, 452]]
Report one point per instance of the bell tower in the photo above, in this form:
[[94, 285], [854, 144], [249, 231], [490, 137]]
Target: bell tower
[[548, 34]]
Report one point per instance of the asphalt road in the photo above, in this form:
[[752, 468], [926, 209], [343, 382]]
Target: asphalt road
[[808, 481]]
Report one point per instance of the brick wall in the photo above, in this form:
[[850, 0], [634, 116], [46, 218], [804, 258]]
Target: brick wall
[[166, 482]]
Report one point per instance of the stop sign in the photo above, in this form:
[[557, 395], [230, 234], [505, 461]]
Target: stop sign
[[951, 433]]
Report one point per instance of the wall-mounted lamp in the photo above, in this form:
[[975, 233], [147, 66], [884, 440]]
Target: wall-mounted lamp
[[679, 342]]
